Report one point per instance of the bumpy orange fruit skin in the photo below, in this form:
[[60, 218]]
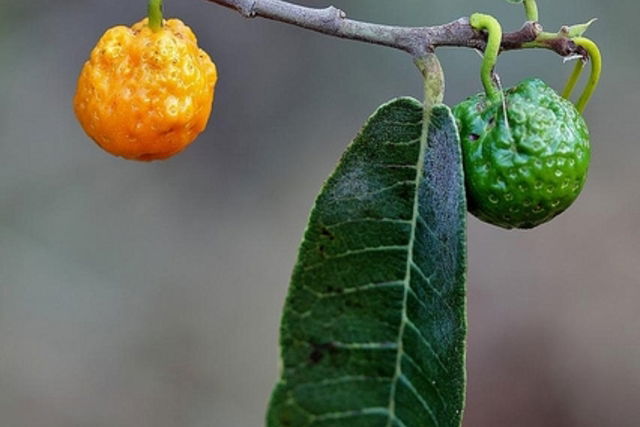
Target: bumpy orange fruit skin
[[146, 95]]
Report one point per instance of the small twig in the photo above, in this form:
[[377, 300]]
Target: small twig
[[417, 41]]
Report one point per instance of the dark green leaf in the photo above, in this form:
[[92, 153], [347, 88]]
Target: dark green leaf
[[374, 325]]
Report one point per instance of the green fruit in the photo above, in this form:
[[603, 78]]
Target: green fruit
[[525, 166]]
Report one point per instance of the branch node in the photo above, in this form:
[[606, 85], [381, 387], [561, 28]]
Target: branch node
[[338, 13], [248, 9]]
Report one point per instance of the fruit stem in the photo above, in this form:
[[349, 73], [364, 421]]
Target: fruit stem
[[573, 80], [596, 70], [531, 8], [154, 11], [480, 21]]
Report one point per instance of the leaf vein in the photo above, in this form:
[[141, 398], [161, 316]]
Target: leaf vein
[[434, 235], [426, 278], [361, 220], [426, 377], [424, 134], [365, 345], [369, 194], [356, 252], [426, 343], [341, 380], [402, 143], [351, 414], [355, 289], [420, 398]]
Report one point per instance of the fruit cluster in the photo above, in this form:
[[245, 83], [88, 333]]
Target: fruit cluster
[[147, 92]]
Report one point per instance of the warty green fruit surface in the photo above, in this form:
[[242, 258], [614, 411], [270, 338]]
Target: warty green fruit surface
[[528, 165]]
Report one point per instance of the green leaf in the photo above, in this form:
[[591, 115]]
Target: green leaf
[[579, 29], [374, 325]]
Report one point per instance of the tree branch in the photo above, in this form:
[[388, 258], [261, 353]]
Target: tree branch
[[417, 41]]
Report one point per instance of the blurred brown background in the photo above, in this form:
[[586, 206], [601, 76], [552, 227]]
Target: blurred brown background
[[137, 295]]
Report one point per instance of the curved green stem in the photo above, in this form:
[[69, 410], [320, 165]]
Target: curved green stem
[[531, 8], [154, 11], [596, 70], [480, 21], [573, 80]]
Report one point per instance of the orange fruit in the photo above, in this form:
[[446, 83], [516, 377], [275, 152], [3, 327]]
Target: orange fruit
[[146, 95]]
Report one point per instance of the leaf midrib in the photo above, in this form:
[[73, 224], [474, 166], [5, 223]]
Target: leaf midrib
[[398, 374]]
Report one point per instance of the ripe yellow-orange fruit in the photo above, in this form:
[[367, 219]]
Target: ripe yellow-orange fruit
[[146, 95]]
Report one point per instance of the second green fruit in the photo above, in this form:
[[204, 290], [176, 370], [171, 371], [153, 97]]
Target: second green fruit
[[527, 165]]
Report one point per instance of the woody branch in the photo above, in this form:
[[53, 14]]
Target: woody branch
[[417, 41]]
